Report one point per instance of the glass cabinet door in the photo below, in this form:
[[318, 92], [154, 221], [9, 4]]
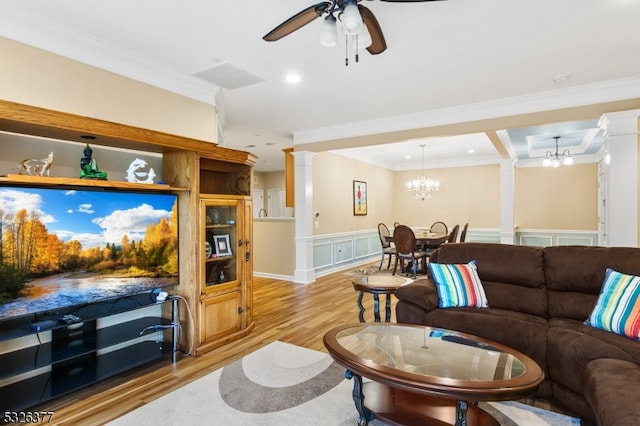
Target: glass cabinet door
[[221, 242]]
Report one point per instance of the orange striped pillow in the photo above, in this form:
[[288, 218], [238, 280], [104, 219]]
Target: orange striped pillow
[[458, 285]]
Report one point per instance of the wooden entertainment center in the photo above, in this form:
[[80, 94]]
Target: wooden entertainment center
[[213, 185]]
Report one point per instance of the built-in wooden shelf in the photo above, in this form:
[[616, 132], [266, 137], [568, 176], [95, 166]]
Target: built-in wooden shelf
[[66, 181]]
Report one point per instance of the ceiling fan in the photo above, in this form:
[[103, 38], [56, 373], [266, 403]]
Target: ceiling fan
[[357, 22]]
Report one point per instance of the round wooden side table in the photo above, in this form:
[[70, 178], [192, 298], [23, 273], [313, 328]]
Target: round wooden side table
[[377, 284]]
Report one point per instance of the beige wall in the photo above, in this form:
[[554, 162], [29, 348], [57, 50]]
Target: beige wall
[[34, 77], [562, 198], [269, 180], [333, 177], [467, 194], [273, 180]]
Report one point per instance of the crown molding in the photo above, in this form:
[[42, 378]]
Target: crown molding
[[24, 27]]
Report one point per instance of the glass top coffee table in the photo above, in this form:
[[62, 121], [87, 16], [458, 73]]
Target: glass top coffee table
[[377, 284], [425, 375]]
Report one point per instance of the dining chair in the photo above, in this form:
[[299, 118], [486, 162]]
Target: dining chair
[[387, 248], [439, 227], [453, 235], [463, 234], [405, 242]]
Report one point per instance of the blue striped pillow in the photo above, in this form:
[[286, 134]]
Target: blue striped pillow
[[458, 285], [618, 307]]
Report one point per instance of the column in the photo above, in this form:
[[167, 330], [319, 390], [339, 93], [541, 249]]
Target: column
[[620, 178], [507, 190], [304, 272]]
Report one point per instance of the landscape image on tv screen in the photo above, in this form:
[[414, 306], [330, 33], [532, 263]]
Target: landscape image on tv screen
[[65, 247]]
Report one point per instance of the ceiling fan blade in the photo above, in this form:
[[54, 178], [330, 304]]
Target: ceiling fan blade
[[408, 1], [378, 43], [297, 21]]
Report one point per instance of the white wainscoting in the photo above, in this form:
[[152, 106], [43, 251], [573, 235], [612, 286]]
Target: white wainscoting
[[336, 252], [551, 237], [342, 251]]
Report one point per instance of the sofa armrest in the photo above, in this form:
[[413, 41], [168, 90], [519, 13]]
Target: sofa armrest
[[612, 386], [421, 293]]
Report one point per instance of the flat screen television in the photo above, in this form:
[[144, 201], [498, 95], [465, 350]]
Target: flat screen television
[[64, 247]]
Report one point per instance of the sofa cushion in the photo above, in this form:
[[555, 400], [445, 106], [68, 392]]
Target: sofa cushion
[[512, 276], [572, 345], [408, 313], [422, 293], [611, 387], [519, 265], [618, 306], [458, 285], [574, 276]]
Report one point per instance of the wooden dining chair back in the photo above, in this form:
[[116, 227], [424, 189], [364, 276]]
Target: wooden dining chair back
[[439, 227], [387, 248], [405, 241], [463, 234], [453, 235]]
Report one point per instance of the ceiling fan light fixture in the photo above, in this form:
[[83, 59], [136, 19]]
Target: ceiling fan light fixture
[[364, 38], [329, 32], [351, 19]]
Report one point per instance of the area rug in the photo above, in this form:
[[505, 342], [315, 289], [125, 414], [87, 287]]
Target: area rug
[[283, 384]]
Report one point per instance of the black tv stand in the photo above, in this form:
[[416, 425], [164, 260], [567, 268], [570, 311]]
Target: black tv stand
[[110, 338]]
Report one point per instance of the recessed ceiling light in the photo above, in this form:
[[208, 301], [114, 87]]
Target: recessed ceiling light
[[408, 157], [471, 151], [293, 78], [250, 146], [269, 143]]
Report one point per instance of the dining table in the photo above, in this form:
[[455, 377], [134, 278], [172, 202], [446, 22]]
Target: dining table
[[425, 238]]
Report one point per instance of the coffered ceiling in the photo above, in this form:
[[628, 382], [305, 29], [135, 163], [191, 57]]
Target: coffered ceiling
[[497, 64]]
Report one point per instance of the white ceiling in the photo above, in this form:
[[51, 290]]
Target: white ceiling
[[447, 61]]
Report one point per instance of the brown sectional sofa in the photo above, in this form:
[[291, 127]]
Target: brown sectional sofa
[[539, 299]]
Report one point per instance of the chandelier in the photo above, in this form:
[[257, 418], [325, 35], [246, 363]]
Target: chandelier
[[423, 187], [554, 160]]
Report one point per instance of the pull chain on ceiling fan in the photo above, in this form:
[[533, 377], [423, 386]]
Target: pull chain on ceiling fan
[[358, 23]]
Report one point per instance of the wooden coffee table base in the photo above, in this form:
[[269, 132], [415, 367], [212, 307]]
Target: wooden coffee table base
[[399, 407]]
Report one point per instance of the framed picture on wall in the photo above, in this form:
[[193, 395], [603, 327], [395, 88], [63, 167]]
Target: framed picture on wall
[[222, 246], [359, 198]]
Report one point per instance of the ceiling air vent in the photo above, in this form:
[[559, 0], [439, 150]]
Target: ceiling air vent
[[227, 76]]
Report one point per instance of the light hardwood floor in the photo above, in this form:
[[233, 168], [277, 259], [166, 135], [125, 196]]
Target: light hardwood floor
[[294, 313]]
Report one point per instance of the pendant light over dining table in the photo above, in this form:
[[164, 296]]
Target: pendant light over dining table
[[423, 187], [557, 159]]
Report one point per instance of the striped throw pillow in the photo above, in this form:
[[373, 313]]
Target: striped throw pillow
[[458, 285], [618, 307]]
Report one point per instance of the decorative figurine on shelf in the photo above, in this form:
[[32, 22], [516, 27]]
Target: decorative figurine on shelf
[[135, 175], [221, 276], [40, 167], [89, 167]]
